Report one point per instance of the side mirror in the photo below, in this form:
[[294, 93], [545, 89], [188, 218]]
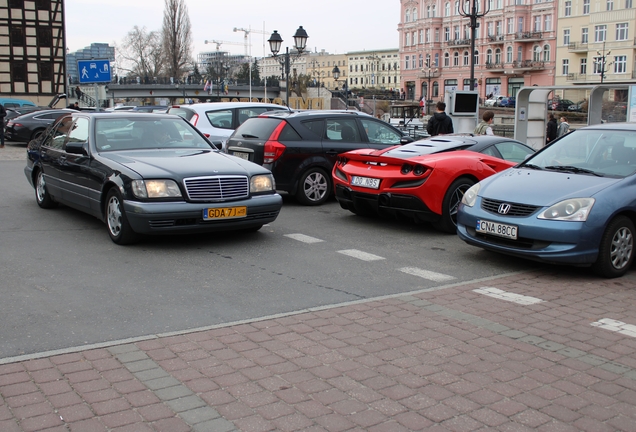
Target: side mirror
[[80, 148], [406, 140], [218, 145]]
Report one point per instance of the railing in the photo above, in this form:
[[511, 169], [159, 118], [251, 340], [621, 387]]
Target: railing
[[529, 35], [496, 38], [528, 64], [577, 46], [574, 77], [458, 42], [494, 66]]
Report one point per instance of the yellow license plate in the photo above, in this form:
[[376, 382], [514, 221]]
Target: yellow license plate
[[224, 213]]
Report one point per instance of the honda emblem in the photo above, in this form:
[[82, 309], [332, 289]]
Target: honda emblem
[[503, 208]]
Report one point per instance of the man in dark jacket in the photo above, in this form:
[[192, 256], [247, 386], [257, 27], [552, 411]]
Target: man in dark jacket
[[440, 123], [551, 132]]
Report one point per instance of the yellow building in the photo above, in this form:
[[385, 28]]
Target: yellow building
[[374, 69]]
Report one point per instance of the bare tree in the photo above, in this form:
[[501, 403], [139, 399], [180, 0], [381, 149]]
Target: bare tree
[[177, 38], [141, 54]]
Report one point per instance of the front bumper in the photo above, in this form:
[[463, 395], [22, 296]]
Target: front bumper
[[400, 206], [184, 217]]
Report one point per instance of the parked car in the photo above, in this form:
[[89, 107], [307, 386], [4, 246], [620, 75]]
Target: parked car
[[30, 125], [217, 120], [300, 148], [559, 104], [148, 174], [507, 102], [151, 108], [121, 108], [423, 181], [15, 103], [570, 203], [493, 101], [18, 111]]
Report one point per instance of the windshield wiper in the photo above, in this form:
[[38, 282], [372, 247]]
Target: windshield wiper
[[531, 166], [248, 136], [573, 169]]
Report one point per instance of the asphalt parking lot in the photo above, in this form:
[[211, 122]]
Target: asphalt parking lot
[[541, 348]]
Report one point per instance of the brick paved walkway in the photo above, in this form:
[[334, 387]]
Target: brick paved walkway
[[13, 151], [551, 351]]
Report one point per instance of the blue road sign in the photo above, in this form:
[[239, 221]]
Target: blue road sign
[[94, 71]]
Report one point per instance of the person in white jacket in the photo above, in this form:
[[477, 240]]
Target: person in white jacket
[[564, 127]]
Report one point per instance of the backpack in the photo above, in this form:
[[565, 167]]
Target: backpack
[[481, 128]]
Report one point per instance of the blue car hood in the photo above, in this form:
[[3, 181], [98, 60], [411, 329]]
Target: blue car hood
[[542, 188], [181, 163]]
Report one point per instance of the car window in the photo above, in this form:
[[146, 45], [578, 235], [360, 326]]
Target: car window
[[342, 130], [220, 119], [57, 137], [317, 126], [79, 131], [257, 128], [512, 151], [182, 112], [289, 134], [379, 133], [245, 113]]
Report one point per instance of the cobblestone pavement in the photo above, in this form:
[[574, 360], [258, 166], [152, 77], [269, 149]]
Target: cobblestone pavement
[[13, 151], [550, 350]]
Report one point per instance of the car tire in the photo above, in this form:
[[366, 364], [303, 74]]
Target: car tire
[[452, 198], [119, 228], [616, 251], [314, 187], [42, 196], [36, 134]]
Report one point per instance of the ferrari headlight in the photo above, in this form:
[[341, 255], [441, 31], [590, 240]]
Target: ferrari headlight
[[155, 189], [575, 209], [470, 197], [262, 183]]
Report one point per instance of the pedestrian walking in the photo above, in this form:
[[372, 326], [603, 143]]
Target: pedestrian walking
[[564, 127], [551, 132], [484, 127], [440, 122], [78, 93]]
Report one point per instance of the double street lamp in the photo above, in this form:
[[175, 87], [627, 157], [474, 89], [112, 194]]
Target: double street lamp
[[429, 73], [336, 74], [275, 42]]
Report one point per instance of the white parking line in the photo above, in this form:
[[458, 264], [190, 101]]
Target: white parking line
[[303, 238], [360, 255], [426, 274], [616, 326], [512, 297]]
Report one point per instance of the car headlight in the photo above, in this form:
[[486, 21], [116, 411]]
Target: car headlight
[[262, 183], [155, 189], [575, 209], [470, 197]]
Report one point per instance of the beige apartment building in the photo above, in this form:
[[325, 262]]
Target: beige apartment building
[[514, 46], [596, 42], [376, 69], [320, 67]]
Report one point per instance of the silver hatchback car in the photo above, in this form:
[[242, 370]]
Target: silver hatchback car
[[217, 120]]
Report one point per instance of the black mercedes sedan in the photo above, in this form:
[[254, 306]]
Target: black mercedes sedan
[[146, 174]]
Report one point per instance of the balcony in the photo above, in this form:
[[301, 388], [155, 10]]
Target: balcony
[[496, 39], [458, 42], [528, 65], [576, 77], [495, 67], [529, 36], [577, 47]]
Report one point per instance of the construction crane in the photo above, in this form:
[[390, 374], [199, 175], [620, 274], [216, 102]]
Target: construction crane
[[219, 43], [246, 34]]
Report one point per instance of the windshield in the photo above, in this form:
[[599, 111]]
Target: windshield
[[589, 151], [133, 133]]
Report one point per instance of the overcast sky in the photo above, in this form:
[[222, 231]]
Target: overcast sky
[[336, 26]]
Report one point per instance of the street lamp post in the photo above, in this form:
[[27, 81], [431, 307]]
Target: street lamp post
[[473, 14], [275, 42], [336, 74], [429, 73], [602, 63]]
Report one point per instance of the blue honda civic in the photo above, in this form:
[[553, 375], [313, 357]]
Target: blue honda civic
[[573, 202]]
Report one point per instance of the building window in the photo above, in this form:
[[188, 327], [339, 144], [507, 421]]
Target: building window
[[407, 39], [497, 56], [546, 53], [428, 12], [421, 38], [428, 60], [414, 38], [628, 4], [491, 28], [45, 37], [456, 32], [466, 58], [428, 35], [18, 71], [567, 11], [434, 11], [583, 68], [600, 33], [537, 23], [46, 72], [489, 56], [407, 16], [456, 59], [446, 59], [413, 62], [414, 14], [586, 7], [476, 57], [436, 59], [609, 5], [584, 35], [435, 89], [447, 9], [536, 53], [520, 24], [511, 25], [620, 64], [621, 31], [499, 27], [436, 35], [446, 34], [456, 8], [509, 54], [598, 65], [566, 67], [406, 62], [566, 37], [547, 23], [17, 36], [519, 53], [421, 60]]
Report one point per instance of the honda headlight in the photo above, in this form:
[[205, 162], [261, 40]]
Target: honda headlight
[[470, 197], [262, 183], [155, 189], [575, 209]]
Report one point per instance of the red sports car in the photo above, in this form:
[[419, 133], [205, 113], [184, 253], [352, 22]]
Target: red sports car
[[423, 181]]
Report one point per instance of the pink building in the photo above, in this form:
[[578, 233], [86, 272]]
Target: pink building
[[515, 46]]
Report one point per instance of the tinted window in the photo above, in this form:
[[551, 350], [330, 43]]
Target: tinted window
[[289, 134], [245, 113], [257, 128], [342, 130], [220, 119], [57, 139], [317, 126], [79, 131], [379, 133]]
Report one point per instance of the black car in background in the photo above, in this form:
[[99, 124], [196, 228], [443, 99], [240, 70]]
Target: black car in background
[[31, 125], [300, 148], [18, 111]]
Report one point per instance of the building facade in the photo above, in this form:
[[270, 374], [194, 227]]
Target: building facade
[[596, 42], [32, 48], [514, 46], [95, 51], [379, 69]]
